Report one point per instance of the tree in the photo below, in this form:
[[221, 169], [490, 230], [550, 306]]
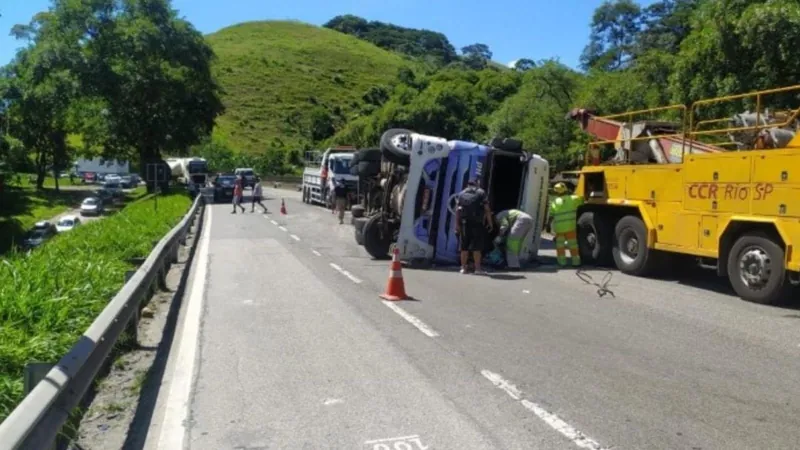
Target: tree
[[736, 47], [614, 29], [145, 72], [665, 24], [476, 56], [524, 64], [41, 89]]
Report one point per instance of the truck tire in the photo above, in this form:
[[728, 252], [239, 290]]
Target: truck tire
[[357, 211], [402, 160], [594, 239], [368, 154], [358, 229], [629, 248], [397, 141], [376, 242], [369, 169], [756, 270]]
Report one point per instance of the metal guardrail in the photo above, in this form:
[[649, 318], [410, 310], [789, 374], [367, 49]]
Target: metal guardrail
[[36, 422]]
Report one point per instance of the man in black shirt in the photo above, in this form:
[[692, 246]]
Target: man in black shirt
[[472, 215]]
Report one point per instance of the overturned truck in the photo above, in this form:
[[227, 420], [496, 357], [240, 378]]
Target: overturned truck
[[409, 187]]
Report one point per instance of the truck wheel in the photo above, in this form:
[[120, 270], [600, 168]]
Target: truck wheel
[[629, 248], [368, 154], [594, 239], [358, 229], [376, 242], [756, 270], [369, 169], [397, 142], [357, 211]]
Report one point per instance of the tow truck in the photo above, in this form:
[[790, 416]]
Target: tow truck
[[723, 191]]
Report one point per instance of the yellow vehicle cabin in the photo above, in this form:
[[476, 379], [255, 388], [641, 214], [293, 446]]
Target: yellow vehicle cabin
[[723, 190]]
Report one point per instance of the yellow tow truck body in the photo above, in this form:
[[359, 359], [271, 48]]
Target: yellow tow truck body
[[739, 209]]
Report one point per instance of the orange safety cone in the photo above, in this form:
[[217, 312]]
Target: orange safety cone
[[395, 287], [283, 207]]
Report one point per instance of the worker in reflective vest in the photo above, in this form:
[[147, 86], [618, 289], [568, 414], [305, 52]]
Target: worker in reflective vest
[[514, 227], [563, 210]]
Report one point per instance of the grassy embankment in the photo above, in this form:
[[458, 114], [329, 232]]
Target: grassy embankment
[[21, 205], [47, 300], [277, 76]]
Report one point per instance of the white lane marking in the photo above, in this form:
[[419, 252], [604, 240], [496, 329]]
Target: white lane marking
[[332, 401], [248, 302], [525, 291], [316, 252], [549, 418], [176, 409], [400, 438], [295, 237], [346, 273], [274, 222], [282, 228], [411, 319]]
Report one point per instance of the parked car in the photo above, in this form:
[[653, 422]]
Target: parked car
[[126, 182], [92, 206], [248, 175], [113, 186], [41, 232], [112, 178], [89, 177], [104, 194], [223, 188], [67, 223]]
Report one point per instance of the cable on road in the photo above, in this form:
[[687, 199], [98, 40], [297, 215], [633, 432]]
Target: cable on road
[[602, 286]]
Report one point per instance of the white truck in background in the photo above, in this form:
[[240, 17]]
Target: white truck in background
[[192, 171], [322, 168]]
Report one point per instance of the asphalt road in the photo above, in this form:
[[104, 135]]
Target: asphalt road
[[285, 344]]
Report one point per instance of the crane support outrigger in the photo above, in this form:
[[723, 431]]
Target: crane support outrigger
[[674, 190]]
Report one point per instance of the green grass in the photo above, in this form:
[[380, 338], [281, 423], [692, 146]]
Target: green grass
[[48, 299], [276, 73]]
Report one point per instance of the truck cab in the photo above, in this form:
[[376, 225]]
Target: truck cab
[[322, 169], [418, 214]]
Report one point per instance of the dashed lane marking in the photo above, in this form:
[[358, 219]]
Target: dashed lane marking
[[294, 236], [346, 273], [316, 252], [274, 222], [282, 228], [555, 422], [428, 331]]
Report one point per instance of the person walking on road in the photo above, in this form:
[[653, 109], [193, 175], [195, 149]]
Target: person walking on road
[[238, 194], [514, 227], [472, 215], [563, 212], [340, 198], [257, 195]]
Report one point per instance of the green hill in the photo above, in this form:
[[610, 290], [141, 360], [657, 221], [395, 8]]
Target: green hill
[[288, 84]]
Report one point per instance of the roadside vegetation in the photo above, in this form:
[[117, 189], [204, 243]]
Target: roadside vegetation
[[48, 299], [636, 57]]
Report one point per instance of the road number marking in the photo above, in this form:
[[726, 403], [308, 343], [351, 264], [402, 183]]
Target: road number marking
[[397, 443]]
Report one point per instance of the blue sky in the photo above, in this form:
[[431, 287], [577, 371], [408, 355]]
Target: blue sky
[[512, 29]]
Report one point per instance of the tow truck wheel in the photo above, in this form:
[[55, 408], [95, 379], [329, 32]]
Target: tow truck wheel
[[594, 239], [756, 269], [358, 229], [357, 211], [629, 248], [376, 242]]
